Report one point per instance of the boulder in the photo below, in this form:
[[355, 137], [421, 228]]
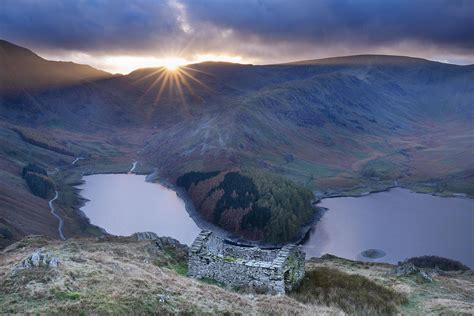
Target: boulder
[[39, 259]]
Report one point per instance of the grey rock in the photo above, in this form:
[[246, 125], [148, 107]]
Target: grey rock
[[54, 263], [426, 276], [407, 268], [39, 259], [35, 259], [163, 298], [145, 236], [273, 271]]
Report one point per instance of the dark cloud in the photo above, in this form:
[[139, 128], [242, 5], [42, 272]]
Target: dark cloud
[[264, 30], [444, 22], [88, 25]]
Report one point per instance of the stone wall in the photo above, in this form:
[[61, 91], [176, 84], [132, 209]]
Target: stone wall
[[262, 270]]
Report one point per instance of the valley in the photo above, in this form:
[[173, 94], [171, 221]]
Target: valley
[[257, 157], [338, 127]]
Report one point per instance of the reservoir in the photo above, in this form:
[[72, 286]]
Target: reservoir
[[124, 204], [400, 223]]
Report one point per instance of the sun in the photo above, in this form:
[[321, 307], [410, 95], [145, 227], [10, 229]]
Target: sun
[[171, 67], [172, 63], [175, 80]]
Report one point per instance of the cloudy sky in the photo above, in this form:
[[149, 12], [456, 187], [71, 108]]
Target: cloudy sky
[[120, 35]]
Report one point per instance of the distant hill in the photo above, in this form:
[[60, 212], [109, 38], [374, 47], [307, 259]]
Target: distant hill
[[23, 69], [366, 59]]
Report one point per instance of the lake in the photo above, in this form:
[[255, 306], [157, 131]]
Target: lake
[[123, 204], [399, 222]]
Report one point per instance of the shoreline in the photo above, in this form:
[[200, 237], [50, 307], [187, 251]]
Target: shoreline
[[203, 224], [154, 177]]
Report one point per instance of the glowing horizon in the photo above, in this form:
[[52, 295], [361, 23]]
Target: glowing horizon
[[124, 64]]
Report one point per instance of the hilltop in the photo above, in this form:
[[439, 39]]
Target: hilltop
[[23, 69], [125, 275]]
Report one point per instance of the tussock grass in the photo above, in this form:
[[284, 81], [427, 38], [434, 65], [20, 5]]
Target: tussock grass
[[354, 294]]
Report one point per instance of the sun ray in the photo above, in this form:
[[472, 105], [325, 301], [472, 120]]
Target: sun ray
[[173, 83], [195, 70], [159, 70], [196, 80], [155, 82], [162, 87]]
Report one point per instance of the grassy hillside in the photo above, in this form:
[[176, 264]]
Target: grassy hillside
[[148, 277]]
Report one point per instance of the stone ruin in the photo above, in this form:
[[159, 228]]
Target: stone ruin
[[275, 271]]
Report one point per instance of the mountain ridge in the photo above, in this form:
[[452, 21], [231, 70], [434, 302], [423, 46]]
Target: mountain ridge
[[23, 69], [365, 59]]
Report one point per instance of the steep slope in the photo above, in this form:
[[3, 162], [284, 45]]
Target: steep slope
[[326, 117], [23, 69]]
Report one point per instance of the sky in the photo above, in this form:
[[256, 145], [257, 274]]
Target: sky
[[122, 35]]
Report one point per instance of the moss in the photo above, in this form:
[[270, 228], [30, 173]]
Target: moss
[[229, 259], [180, 268], [65, 295]]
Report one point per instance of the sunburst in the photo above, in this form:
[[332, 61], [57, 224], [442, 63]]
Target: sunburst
[[175, 79]]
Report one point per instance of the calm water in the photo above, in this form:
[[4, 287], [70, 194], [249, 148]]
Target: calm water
[[401, 223], [123, 204]]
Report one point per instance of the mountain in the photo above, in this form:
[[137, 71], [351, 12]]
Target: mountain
[[23, 69], [344, 125], [365, 60]]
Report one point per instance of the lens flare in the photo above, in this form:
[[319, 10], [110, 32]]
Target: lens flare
[[175, 82], [172, 64]]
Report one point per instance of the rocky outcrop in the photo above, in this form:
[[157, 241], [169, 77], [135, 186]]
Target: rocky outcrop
[[408, 268], [40, 259], [159, 245]]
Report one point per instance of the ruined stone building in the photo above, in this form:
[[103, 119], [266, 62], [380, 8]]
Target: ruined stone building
[[263, 270]]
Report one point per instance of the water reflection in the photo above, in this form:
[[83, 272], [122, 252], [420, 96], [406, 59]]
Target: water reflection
[[123, 204], [401, 223]]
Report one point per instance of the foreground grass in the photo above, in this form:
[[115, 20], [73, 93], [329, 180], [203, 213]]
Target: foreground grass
[[352, 293], [123, 276]]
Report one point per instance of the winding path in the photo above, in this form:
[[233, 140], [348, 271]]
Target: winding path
[[76, 160], [53, 211], [56, 195], [134, 165]]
